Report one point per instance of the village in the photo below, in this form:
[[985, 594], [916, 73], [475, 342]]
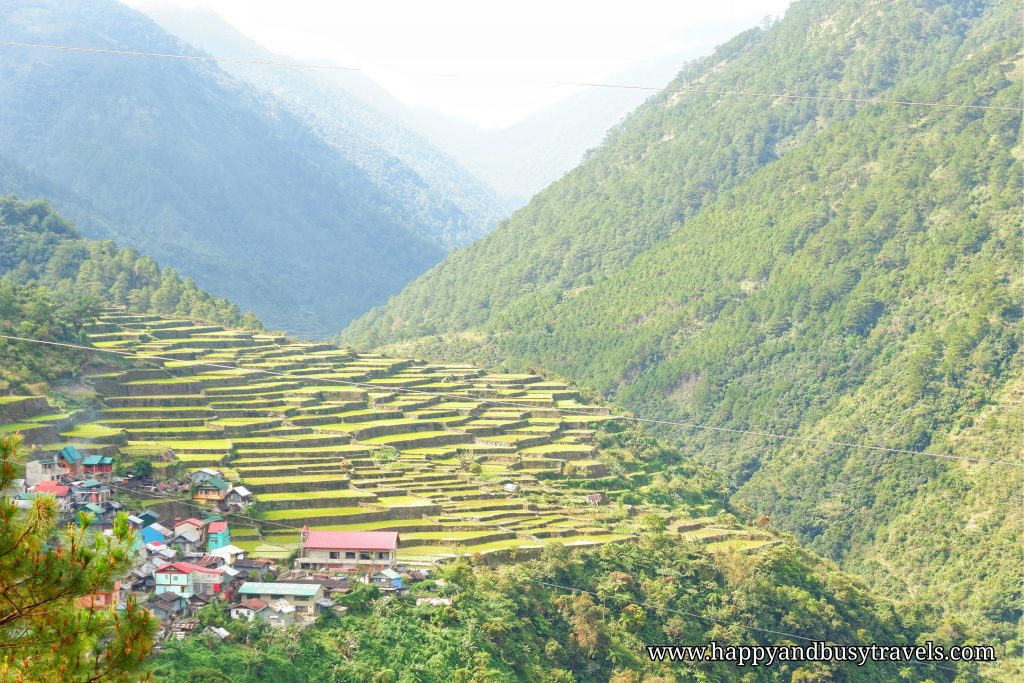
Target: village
[[185, 565]]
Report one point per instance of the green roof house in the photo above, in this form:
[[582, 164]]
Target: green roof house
[[213, 490]]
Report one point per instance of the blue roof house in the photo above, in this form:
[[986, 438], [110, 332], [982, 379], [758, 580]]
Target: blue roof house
[[149, 534]]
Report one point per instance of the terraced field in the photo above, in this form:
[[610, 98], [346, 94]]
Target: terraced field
[[458, 460]]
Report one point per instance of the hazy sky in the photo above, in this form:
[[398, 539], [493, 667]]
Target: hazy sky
[[486, 62]]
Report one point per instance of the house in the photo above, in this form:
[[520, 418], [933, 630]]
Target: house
[[346, 550], [186, 543], [279, 613], [209, 561], [61, 492], [217, 535], [197, 602], [205, 474], [141, 577], [97, 511], [89, 491], [239, 497], [300, 595], [331, 585], [387, 579], [198, 527], [418, 575], [102, 599], [161, 529], [217, 631], [596, 498], [247, 609], [100, 466], [229, 553], [180, 629], [151, 534], [257, 567], [187, 579], [326, 604], [213, 490], [168, 605], [148, 517], [157, 551], [71, 459], [42, 468]]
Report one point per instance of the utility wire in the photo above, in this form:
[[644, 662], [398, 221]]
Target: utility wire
[[164, 55], [824, 98], [640, 420], [584, 84]]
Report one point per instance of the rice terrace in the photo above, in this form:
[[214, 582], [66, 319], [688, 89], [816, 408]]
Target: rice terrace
[[456, 460]]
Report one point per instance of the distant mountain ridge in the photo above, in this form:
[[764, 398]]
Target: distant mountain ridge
[[522, 159], [514, 161], [450, 204], [207, 174]]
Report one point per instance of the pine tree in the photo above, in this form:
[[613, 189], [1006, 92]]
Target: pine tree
[[50, 630]]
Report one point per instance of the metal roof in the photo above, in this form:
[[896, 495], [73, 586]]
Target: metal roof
[[293, 589], [352, 540]]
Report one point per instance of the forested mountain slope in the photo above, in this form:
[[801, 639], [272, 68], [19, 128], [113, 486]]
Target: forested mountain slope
[[193, 167], [52, 282], [448, 203], [810, 267]]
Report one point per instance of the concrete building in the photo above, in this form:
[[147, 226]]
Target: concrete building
[[302, 596], [347, 550]]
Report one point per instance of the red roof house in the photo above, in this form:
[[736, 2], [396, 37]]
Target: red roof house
[[54, 487], [346, 550], [187, 579]]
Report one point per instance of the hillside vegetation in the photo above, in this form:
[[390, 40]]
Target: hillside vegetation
[[818, 268], [505, 625], [53, 282]]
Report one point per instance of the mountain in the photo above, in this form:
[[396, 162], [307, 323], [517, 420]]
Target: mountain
[[817, 268], [522, 159], [199, 170], [449, 204]]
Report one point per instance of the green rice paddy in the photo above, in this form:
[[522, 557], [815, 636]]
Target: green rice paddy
[[444, 487]]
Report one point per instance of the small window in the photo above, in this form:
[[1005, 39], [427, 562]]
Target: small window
[[335, 555], [382, 556], [364, 556], [350, 555]]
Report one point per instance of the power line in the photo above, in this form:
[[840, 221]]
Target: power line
[[165, 55], [825, 98], [584, 84], [640, 420]]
